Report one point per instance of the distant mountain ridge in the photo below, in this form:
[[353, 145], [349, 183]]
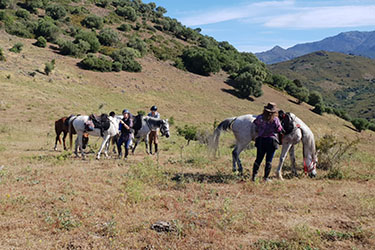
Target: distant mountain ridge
[[352, 42]]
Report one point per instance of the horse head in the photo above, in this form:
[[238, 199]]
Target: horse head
[[164, 128], [309, 165]]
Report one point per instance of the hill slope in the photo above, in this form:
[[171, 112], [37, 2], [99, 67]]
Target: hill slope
[[344, 81], [51, 200], [353, 42]]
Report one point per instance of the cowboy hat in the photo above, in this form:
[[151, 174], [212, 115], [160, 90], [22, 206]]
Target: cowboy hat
[[271, 107]]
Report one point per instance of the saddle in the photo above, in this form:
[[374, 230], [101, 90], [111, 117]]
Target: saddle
[[101, 122]]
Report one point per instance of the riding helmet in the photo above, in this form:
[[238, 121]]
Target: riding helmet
[[154, 108], [125, 111]]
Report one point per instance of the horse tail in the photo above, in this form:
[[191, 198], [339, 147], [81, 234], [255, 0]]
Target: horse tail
[[223, 126], [70, 134]]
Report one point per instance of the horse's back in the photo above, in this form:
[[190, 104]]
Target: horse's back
[[243, 127]]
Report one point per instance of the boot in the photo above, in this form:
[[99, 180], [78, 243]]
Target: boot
[[126, 153], [255, 171], [267, 171], [156, 148]]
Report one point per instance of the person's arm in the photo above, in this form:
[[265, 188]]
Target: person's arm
[[124, 124], [279, 128]]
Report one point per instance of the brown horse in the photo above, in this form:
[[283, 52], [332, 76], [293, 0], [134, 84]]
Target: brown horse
[[62, 126]]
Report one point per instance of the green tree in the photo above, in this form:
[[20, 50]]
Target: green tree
[[160, 11], [56, 11], [4, 4], [41, 42], [319, 108], [315, 98], [47, 29], [360, 124], [108, 37], [248, 85], [91, 38], [200, 61], [127, 12], [93, 21]]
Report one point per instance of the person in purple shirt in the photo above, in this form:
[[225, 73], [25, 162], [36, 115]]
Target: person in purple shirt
[[268, 126]]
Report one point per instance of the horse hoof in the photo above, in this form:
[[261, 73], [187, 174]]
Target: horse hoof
[[279, 176], [55, 149]]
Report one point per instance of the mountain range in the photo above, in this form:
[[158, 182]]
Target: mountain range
[[353, 43]]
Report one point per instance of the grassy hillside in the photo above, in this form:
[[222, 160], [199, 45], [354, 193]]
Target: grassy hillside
[[344, 81], [51, 200]]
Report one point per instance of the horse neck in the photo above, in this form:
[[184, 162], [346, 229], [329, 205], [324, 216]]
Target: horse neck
[[308, 142], [153, 122]]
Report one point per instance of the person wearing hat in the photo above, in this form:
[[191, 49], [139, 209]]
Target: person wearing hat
[[126, 125], [153, 136], [268, 126]]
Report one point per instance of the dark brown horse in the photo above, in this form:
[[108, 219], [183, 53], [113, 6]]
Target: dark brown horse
[[62, 126]]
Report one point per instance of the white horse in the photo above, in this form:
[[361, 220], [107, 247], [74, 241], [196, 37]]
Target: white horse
[[79, 125], [244, 131], [143, 126], [300, 132]]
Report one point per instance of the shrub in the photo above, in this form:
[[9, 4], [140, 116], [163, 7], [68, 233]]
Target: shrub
[[92, 62], [21, 29], [77, 49], [125, 56], [315, 98], [138, 44], [319, 108], [56, 11], [49, 66], [200, 61], [93, 21], [102, 3], [22, 13], [125, 27], [32, 5], [16, 48], [117, 66], [41, 42], [2, 56], [89, 37], [188, 132], [47, 29], [4, 4], [127, 12], [247, 85], [332, 152], [108, 37], [360, 124], [371, 126]]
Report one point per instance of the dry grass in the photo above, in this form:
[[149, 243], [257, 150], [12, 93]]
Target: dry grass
[[50, 200]]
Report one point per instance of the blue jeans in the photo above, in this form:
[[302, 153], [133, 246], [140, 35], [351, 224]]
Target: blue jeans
[[124, 140]]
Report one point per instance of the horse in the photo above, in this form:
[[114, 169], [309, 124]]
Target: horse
[[79, 124], [298, 131], [244, 130], [143, 126], [62, 126]]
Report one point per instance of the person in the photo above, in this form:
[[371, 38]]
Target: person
[[126, 125], [268, 126], [153, 136], [112, 114]]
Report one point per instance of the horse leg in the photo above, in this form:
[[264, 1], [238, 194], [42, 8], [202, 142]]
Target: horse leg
[[293, 160], [146, 143], [79, 145], [57, 139], [105, 139], [135, 145], [64, 137], [234, 158], [284, 151]]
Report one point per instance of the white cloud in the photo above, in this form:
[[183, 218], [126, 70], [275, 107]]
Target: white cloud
[[287, 14], [326, 17]]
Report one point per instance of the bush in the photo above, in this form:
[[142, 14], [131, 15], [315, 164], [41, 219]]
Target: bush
[[360, 124], [125, 56], [41, 42], [332, 153], [127, 12], [47, 29], [319, 108], [102, 3], [2, 56], [247, 85], [56, 11], [22, 13], [117, 66], [138, 44], [108, 37], [125, 27], [371, 126], [16, 48], [77, 49], [96, 63], [93, 21], [4, 4], [200, 61], [21, 29], [188, 132], [49, 66], [315, 98], [89, 37]]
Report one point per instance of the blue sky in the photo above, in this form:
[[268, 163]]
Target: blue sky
[[256, 26]]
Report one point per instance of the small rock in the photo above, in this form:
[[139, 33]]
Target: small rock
[[163, 226]]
